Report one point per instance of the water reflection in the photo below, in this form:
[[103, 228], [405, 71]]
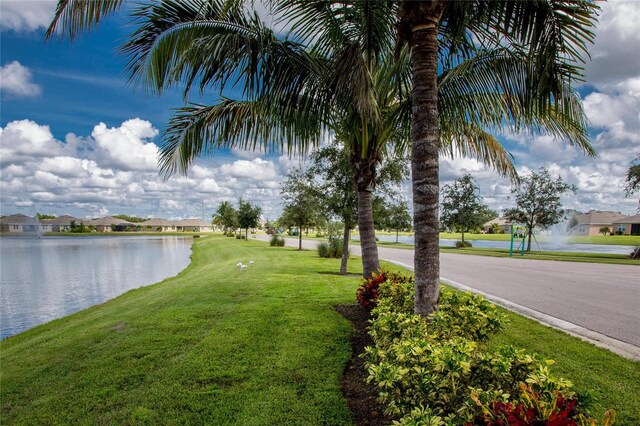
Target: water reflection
[[48, 278]]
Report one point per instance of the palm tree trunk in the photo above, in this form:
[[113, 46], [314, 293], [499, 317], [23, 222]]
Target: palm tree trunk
[[345, 250], [424, 166], [370, 262]]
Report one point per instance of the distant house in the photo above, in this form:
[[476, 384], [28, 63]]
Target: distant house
[[158, 225], [629, 225], [591, 223], [193, 225], [110, 224], [18, 223], [505, 226], [62, 223]]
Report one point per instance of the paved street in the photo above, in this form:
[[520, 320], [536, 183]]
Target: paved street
[[599, 297]]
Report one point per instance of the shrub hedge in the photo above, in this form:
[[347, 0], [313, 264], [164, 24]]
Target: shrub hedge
[[436, 372]]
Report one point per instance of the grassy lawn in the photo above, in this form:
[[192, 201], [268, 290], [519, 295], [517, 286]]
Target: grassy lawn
[[215, 345], [616, 259]]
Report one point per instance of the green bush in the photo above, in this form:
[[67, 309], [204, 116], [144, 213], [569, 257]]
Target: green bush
[[330, 249], [462, 244], [276, 241], [434, 371]]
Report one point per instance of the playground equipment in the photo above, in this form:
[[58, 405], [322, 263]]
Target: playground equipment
[[518, 231]]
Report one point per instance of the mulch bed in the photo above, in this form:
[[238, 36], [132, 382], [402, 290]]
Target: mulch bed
[[361, 397]]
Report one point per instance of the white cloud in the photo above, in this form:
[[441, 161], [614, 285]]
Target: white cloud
[[114, 170], [257, 169], [615, 51], [16, 80], [21, 15], [127, 147]]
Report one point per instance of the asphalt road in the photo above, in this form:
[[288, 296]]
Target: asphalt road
[[598, 297]]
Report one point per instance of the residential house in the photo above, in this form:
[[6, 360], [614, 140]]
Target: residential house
[[110, 224], [158, 225], [19, 223], [193, 225], [503, 225], [591, 223], [629, 225], [62, 223]]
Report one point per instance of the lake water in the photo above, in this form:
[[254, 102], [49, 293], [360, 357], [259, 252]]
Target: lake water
[[542, 245], [47, 278]]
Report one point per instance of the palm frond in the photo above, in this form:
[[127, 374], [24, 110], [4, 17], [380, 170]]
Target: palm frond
[[198, 130], [75, 16], [478, 144]]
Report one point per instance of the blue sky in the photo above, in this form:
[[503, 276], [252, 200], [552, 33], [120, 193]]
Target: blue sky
[[78, 139]]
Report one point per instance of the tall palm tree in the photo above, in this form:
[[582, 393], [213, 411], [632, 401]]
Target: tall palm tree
[[335, 71], [551, 37], [340, 76]]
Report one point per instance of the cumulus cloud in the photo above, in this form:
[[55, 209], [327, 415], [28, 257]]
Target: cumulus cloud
[[114, 170], [21, 15], [127, 147], [615, 51], [16, 80]]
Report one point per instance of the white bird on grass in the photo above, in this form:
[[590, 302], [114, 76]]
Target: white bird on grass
[[251, 262]]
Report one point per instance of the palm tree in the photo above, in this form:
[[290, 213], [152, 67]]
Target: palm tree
[[336, 72], [550, 36], [347, 82]]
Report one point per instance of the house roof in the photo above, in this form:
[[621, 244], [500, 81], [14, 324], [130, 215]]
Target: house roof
[[109, 220], [18, 219], [599, 218], [500, 221], [192, 222], [157, 222], [629, 219], [62, 220]]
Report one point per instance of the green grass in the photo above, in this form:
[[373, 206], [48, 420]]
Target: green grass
[[617, 259], [215, 345], [623, 240]]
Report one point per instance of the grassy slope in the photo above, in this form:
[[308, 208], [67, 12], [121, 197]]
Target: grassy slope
[[220, 346], [214, 345]]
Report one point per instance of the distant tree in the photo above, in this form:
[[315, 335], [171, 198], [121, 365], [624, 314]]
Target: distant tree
[[538, 201], [398, 217], [604, 230], [486, 214], [226, 215], [633, 179], [301, 207], [462, 205], [331, 176], [42, 216], [132, 219], [248, 216], [495, 229]]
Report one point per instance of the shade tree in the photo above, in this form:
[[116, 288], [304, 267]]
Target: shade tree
[[538, 201], [248, 216], [462, 206]]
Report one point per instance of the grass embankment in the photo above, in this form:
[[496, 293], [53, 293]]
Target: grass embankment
[[216, 345]]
